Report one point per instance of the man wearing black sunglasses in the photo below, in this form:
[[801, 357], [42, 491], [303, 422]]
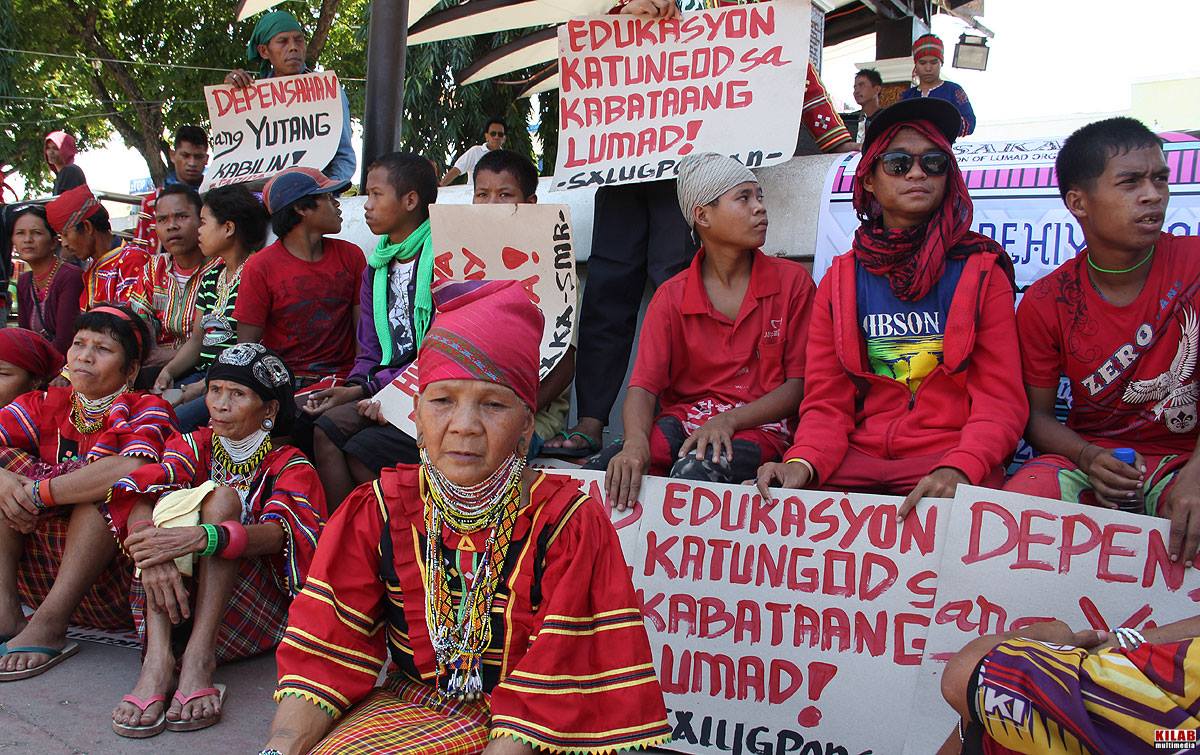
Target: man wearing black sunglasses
[[494, 135], [911, 385]]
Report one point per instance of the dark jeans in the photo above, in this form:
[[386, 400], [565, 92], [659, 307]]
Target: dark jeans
[[667, 438], [638, 233]]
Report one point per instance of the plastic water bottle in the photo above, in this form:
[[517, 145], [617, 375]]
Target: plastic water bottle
[[1137, 504]]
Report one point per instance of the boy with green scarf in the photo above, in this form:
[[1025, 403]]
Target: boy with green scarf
[[395, 308]]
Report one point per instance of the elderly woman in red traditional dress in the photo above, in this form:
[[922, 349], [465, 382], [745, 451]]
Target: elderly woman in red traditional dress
[[61, 450], [499, 592], [236, 513]]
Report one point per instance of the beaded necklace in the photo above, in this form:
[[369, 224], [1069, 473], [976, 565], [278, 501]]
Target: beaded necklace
[[88, 415], [41, 283], [460, 641], [226, 285], [235, 462]]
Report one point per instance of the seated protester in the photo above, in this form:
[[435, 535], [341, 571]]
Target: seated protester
[[299, 295], [908, 387], [165, 294], [223, 531], [28, 362], [232, 225], [505, 177], [61, 450], [188, 159], [722, 346], [279, 47], [401, 555], [928, 55], [495, 132], [1120, 321], [111, 269], [59, 151], [1076, 689], [395, 308], [48, 293]]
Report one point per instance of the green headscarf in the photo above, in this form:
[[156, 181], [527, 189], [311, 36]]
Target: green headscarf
[[275, 22], [418, 242]]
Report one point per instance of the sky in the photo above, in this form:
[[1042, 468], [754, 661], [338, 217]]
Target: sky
[[1049, 59]]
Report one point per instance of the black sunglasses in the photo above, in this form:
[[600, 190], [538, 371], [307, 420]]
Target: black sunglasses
[[935, 163], [495, 133]]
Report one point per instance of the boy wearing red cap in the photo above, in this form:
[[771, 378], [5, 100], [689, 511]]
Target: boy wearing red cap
[[111, 271], [1120, 320], [299, 296], [909, 387], [929, 54]]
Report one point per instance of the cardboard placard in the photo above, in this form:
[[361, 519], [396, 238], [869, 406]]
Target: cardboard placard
[[1011, 560], [637, 94], [770, 622], [273, 124], [530, 243]]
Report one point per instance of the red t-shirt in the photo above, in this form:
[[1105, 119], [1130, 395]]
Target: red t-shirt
[[1132, 369], [699, 363], [306, 309]]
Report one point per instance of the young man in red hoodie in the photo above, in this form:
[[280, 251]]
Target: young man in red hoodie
[[910, 386], [1120, 321]]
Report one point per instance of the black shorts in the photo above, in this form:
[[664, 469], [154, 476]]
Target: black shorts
[[376, 446]]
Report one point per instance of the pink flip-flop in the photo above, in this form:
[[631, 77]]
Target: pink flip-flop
[[142, 732], [217, 691]]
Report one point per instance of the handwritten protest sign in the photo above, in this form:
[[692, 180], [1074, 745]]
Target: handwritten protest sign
[[638, 94], [530, 243], [275, 123], [1012, 560]]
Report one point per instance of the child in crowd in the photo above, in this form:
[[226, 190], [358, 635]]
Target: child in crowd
[[505, 177], [299, 295], [233, 224], [722, 346], [1120, 321], [909, 387], [395, 308]]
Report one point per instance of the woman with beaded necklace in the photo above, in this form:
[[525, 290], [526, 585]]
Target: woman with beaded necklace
[[61, 450], [500, 593], [233, 511], [233, 225], [48, 293]]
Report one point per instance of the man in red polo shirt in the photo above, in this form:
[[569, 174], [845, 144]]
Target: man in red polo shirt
[[722, 346]]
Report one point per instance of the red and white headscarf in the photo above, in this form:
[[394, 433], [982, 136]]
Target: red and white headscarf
[[66, 147], [70, 208], [929, 44]]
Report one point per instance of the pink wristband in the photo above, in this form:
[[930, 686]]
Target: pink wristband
[[237, 540]]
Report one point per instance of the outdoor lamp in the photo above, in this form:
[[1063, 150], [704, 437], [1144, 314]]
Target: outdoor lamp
[[971, 52]]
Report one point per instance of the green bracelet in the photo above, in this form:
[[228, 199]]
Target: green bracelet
[[210, 531]]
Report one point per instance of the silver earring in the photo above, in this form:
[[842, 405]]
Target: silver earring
[[268, 424]]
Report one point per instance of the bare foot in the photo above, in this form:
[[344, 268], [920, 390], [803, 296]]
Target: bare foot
[[195, 676], [157, 678], [33, 635], [589, 426]]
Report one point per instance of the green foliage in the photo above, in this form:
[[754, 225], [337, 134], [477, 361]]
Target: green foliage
[[144, 102]]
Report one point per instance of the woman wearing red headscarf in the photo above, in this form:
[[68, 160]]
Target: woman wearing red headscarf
[[500, 593], [27, 362], [60, 156], [912, 383]]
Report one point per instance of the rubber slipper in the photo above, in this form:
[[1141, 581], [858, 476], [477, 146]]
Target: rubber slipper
[[565, 452], [217, 690], [56, 657], [143, 732]]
